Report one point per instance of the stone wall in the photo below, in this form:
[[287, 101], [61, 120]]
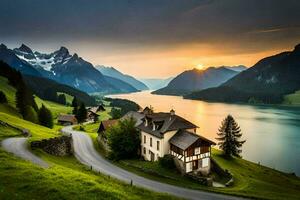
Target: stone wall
[[58, 146]]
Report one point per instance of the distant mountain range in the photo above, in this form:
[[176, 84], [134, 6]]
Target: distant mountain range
[[238, 68], [266, 82], [64, 68], [195, 79], [155, 83], [112, 72]]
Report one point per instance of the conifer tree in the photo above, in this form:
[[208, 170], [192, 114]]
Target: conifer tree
[[75, 106], [82, 113], [229, 137], [45, 117]]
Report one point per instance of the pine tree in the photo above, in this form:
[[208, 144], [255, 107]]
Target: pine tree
[[229, 137], [82, 113], [75, 106], [20, 99], [3, 98], [45, 117]]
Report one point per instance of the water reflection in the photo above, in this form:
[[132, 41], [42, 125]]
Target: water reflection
[[272, 132]]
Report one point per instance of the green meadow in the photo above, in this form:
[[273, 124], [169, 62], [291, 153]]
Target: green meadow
[[66, 178]]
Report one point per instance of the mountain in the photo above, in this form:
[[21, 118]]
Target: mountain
[[112, 72], [62, 67], [155, 84], [121, 85], [196, 79], [266, 82], [238, 68], [9, 57], [39, 85]]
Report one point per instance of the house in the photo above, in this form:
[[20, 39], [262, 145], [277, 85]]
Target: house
[[64, 119], [92, 115], [167, 133], [104, 125], [96, 109], [137, 116]]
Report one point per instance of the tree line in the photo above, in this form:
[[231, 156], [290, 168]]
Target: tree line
[[24, 98]]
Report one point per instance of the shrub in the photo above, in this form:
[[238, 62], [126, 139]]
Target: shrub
[[167, 162], [123, 140]]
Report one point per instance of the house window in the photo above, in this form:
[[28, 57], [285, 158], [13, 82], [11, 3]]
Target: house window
[[144, 139], [144, 150], [205, 162], [150, 142], [157, 144], [197, 150]]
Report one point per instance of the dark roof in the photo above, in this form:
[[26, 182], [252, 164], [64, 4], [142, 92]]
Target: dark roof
[[97, 109], [66, 118], [135, 115], [108, 123], [90, 112], [166, 122], [184, 139]]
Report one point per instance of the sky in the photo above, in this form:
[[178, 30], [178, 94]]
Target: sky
[[154, 38]]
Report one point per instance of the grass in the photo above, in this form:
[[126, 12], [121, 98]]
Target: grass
[[65, 179], [292, 99], [55, 108], [250, 179]]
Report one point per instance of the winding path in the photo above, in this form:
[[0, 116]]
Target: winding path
[[18, 146], [87, 155]]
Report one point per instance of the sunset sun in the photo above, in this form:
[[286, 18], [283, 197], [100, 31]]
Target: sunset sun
[[200, 66]]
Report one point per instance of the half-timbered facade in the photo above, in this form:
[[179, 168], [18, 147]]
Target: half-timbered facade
[[168, 133]]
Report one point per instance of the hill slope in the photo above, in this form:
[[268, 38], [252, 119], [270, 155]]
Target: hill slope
[[267, 81], [195, 79], [112, 72]]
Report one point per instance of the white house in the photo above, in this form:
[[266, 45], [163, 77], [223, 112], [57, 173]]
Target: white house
[[168, 133]]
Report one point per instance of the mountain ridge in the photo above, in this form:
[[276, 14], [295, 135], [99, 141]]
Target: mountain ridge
[[266, 82], [113, 72], [195, 79], [62, 67]]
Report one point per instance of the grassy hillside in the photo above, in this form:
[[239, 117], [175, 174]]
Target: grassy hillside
[[10, 91], [66, 178], [55, 108], [292, 99]]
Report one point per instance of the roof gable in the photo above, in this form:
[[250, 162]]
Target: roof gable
[[184, 139]]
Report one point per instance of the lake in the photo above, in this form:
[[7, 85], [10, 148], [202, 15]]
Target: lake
[[272, 133]]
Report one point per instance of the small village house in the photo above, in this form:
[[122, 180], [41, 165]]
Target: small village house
[[91, 116], [66, 119], [96, 109], [104, 125]]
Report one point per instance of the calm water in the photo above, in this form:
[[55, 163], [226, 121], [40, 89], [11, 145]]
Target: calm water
[[272, 132]]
